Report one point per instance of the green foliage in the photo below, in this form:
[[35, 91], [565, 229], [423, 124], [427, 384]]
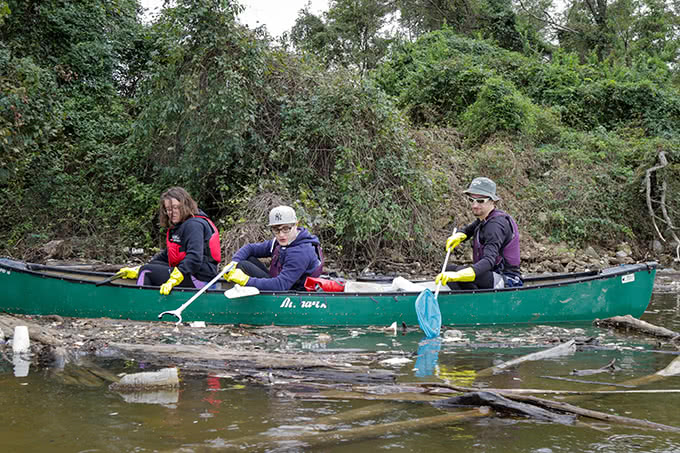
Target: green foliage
[[61, 119], [588, 184], [439, 76], [341, 139], [199, 102], [620, 30], [351, 33], [4, 11], [498, 108], [222, 111], [494, 20]]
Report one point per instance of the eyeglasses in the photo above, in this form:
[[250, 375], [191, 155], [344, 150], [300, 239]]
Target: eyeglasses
[[285, 229], [473, 200]]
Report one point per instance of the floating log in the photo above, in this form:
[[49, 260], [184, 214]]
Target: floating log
[[503, 404], [566, 407], [629, 323], [461, 389], [213, 352], [562, 349], [266, 367], [516, 395]]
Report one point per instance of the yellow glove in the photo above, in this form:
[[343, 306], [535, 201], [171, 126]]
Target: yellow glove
[[463, 275], [175, 279], [237, 276], [455, 239], [128, 272], [232, 265]]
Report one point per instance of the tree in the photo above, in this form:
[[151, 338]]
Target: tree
[[615, 30], [199, 99], [62, 120], [487, 19], [350, 34], [423, 16]]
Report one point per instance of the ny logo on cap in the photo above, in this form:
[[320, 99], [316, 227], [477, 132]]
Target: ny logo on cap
[[277, 216]]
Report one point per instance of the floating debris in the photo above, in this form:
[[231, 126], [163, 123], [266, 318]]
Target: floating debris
[[396, 361], [166, 377]]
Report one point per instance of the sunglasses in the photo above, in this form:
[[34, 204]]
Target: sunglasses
[[472, 200], [285, 229]]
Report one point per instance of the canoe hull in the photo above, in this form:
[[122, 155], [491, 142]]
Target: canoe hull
[[616, 291]]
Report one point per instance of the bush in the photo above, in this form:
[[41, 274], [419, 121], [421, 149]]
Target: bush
[[499, 108]]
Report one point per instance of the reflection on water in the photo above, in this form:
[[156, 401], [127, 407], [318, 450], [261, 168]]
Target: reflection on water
[[22, 365], [73, 410], [428, 356], [163, 397]]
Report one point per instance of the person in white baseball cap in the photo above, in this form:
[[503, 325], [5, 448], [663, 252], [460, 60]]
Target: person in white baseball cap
[[295, 255], [495, 244]]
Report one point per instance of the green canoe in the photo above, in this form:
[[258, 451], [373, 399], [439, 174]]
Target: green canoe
[[579, 297]]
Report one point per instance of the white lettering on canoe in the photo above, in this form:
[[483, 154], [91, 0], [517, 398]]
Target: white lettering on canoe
[[628, 278], [312, 304], [287, 303]]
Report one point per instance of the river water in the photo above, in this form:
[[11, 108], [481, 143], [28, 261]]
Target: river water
[[39, 413]]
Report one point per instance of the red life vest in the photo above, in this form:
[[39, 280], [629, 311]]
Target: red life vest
[[175, 256]]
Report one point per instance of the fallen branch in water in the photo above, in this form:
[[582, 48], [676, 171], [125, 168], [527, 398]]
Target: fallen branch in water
[[582, 381], [608, 368], [566, 407], [550, 392], [515, 394], [500, 403], [629, 323], [559, 350]]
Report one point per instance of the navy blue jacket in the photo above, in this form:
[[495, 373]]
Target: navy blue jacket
[[291, 265]]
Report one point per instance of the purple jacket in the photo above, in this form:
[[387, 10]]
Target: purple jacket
[[290, 265], [495, 244]]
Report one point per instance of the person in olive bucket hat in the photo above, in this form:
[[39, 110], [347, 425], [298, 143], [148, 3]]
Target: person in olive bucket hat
[[296, 254], [495, 244]]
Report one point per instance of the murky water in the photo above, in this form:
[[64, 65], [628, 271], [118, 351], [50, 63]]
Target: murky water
[[45, 411]]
